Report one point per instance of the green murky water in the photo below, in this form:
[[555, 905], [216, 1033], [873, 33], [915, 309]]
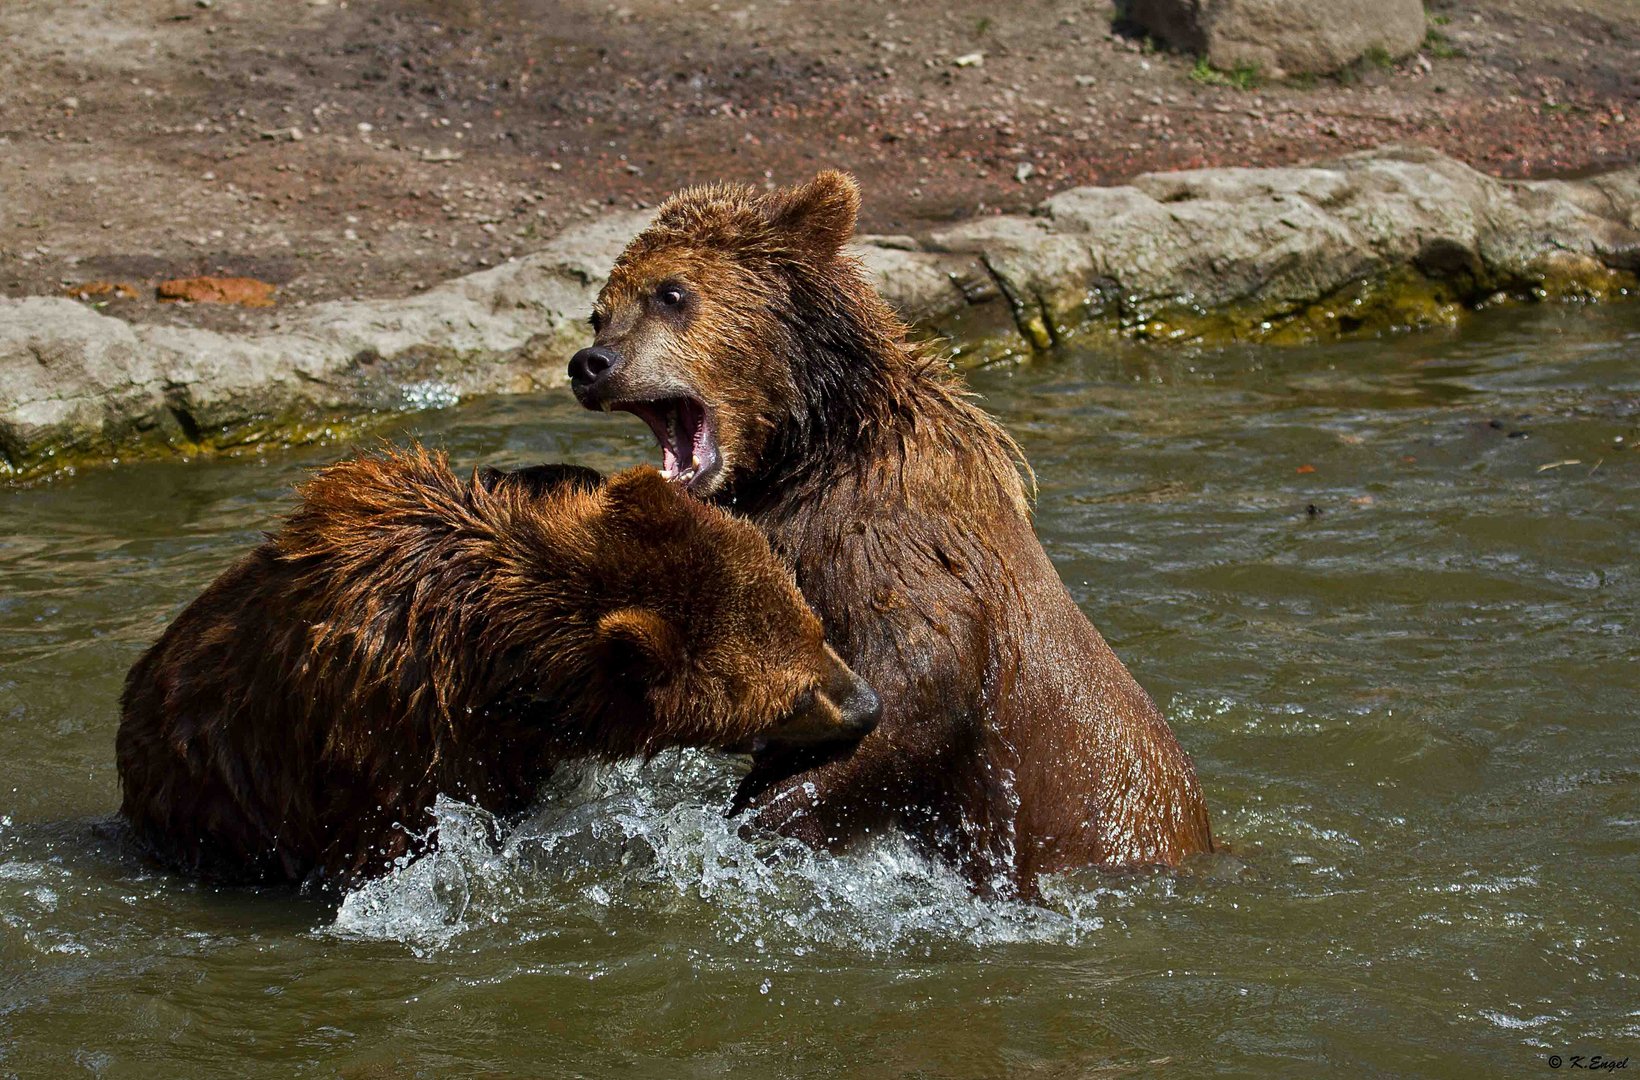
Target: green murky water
[[1413, 708]]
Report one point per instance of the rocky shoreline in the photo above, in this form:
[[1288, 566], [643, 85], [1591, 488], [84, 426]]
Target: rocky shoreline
[[1396, 237]]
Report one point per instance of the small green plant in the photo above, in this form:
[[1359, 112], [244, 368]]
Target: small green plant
[[982, 26], [1304, 80], [1379, 57], [1440, 20], [1439, 45], [1242, 76]]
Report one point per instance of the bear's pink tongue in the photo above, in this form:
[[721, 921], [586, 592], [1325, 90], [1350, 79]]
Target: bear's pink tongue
[[671, 445], [679, 424]]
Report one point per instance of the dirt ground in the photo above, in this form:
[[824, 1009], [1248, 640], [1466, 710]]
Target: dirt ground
[[373, 148]]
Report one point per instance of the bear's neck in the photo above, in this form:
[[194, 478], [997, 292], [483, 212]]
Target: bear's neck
[[491, 620], [877, 417], [533, 654]]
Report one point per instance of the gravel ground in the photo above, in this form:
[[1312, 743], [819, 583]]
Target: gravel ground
[[372, 149]]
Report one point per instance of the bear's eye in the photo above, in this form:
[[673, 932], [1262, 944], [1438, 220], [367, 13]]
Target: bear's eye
[[597, 321], [670, 295]]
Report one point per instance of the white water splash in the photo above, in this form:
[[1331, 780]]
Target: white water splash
[[430, 394], [652, 841]]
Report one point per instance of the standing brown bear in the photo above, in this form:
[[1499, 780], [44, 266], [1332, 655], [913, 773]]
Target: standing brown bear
[[779, 383], [409, 633]]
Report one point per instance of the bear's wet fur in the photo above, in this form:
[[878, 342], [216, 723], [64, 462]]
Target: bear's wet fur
[[779, 383], [409, 633]]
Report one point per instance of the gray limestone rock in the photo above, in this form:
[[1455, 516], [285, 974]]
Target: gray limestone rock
[[1284, 36], [1393, 237], [74, 383]]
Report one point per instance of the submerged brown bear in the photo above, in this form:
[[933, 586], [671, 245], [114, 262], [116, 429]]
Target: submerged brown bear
[[779, 383], [409, 633]]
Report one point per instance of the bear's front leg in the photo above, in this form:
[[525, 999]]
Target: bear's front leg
[[822, 804]]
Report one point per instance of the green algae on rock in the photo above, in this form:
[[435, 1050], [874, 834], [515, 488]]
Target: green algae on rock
[[1400, 237]]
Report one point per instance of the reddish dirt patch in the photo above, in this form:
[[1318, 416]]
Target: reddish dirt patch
[[97, 290], [246, 292], [340, 149]]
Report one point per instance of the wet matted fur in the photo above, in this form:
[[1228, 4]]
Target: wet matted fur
[[408, 632], [1014, 742]]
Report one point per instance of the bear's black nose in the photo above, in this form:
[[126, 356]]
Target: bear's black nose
[[589, 366], [862, 709]]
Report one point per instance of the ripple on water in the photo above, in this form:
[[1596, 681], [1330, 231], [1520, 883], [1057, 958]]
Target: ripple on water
[[1411, 709]]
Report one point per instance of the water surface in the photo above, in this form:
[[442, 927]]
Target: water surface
[[1386, 592]]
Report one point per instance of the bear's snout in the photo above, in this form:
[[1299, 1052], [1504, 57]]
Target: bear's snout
[[857, 704], [842, 709], [590, 370], [861, 709]]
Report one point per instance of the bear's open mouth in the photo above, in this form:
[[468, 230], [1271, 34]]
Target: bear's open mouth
[[689, 450]]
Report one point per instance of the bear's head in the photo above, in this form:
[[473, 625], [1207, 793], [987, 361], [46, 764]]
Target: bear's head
[[734, 326], [690, 631]]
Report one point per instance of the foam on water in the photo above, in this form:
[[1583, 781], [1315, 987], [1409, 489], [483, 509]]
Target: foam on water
[[653, 839], [430, 394]]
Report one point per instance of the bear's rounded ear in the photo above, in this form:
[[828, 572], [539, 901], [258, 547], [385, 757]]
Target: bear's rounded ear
[[640, 639], [819, 215]]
